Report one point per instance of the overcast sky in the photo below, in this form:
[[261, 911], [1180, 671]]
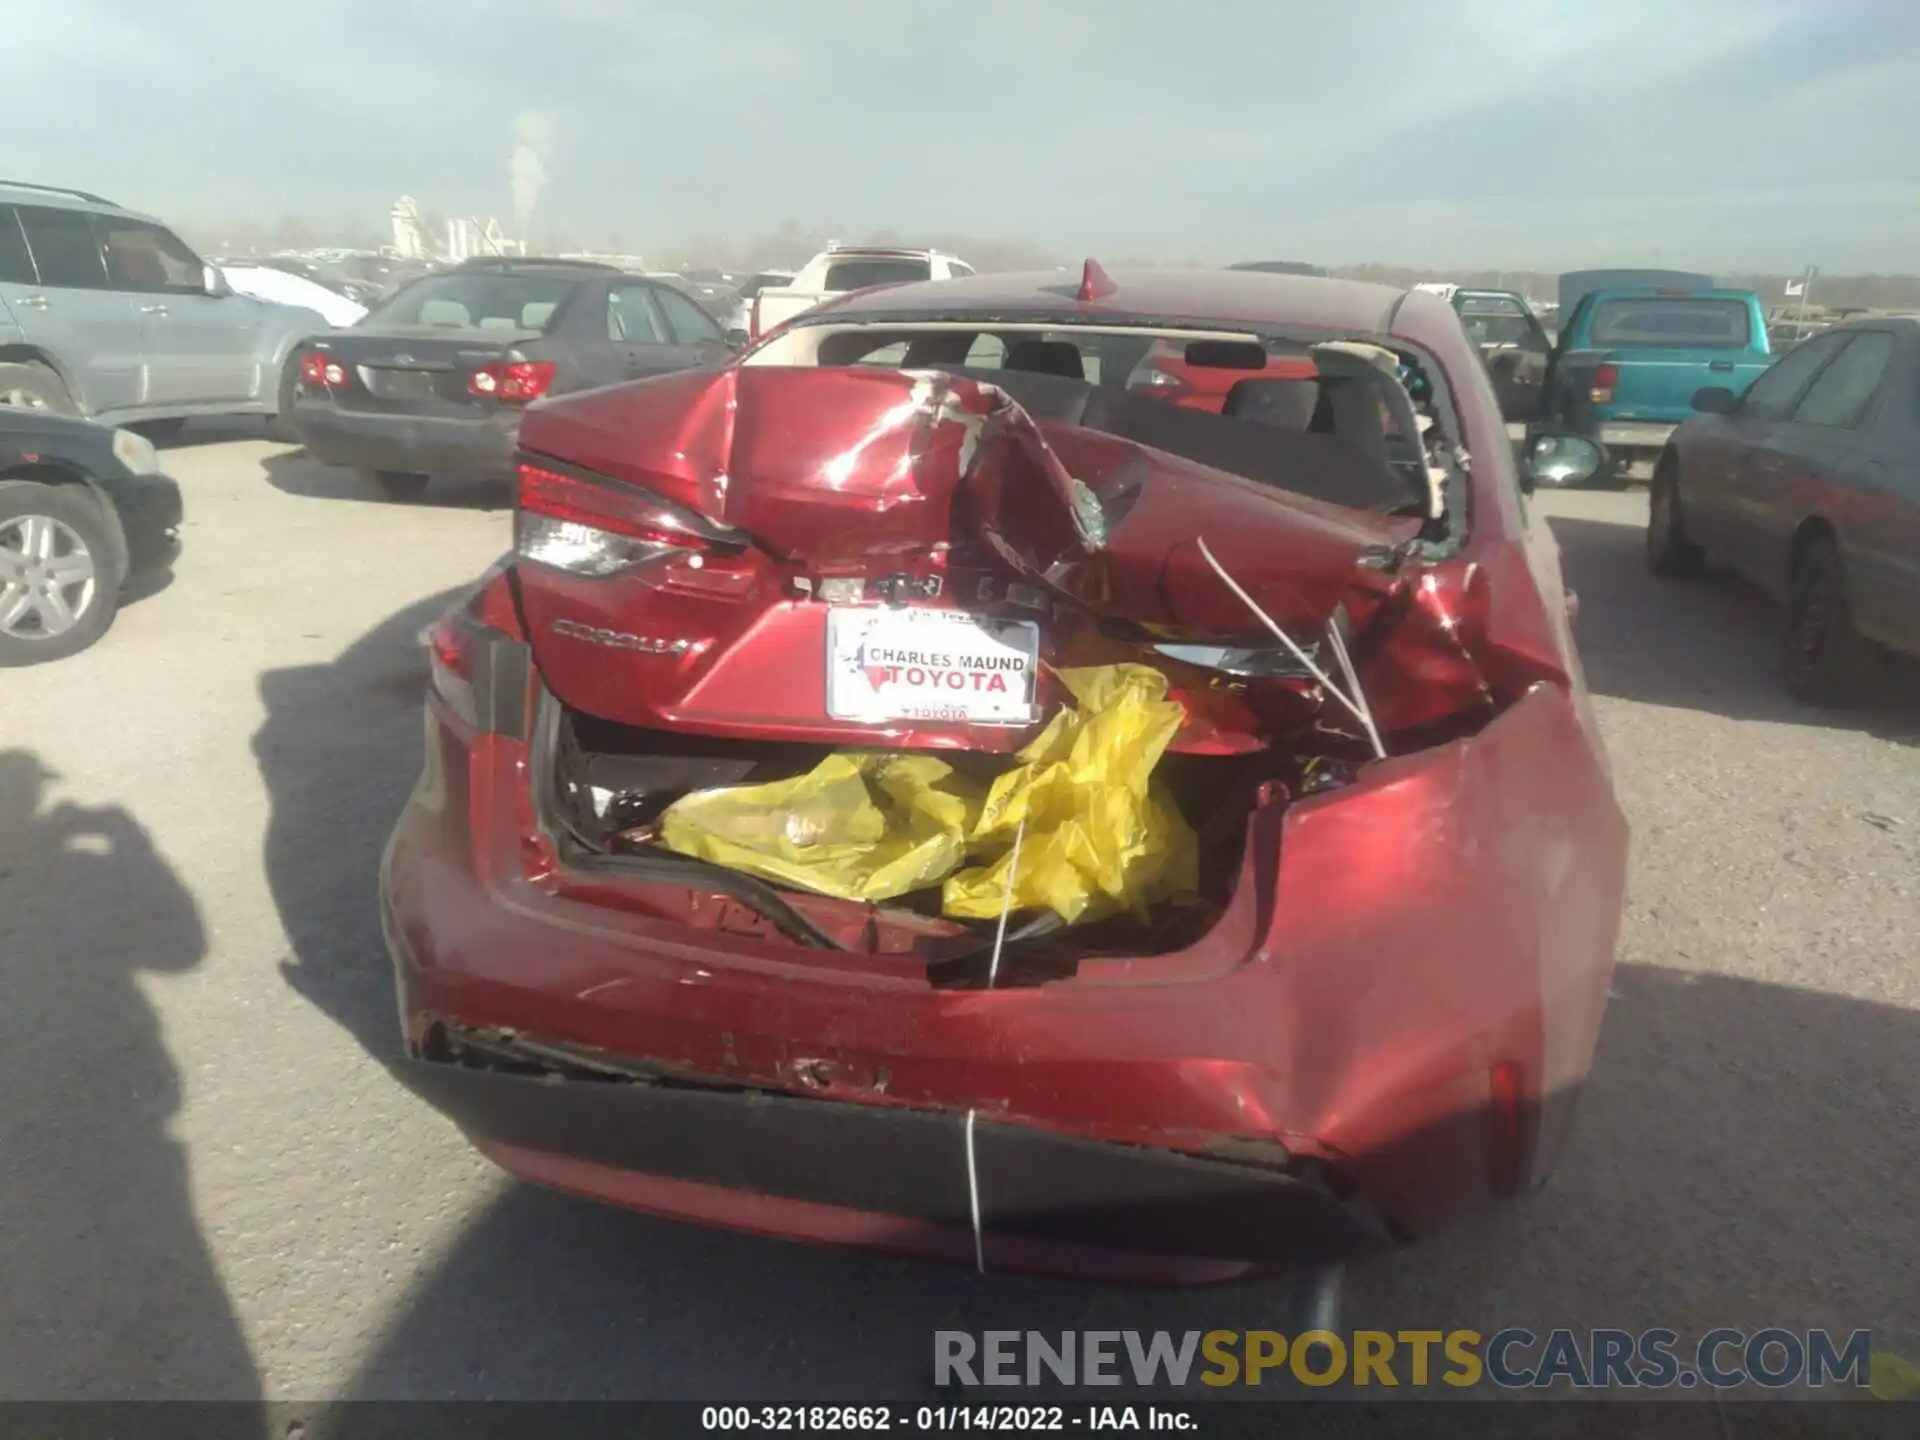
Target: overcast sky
[[1540, 133]]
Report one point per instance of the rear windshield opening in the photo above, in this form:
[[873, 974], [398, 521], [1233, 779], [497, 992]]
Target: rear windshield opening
[[1687, 324], [863, 274], [1343, 437], [476, 302]]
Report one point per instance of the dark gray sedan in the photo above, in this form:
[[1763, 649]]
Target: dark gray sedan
[[1809, 485]]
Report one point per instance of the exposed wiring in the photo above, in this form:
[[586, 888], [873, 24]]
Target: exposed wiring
[[1358, 710]]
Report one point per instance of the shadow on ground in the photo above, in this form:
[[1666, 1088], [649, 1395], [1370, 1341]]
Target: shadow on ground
[[1744, 1156], [1708, 644], [111, 1292], [295, 472]]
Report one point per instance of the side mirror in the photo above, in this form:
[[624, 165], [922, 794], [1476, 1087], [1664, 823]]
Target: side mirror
[[737, 340], [1561, 460], [214, 282], [1715, 400]]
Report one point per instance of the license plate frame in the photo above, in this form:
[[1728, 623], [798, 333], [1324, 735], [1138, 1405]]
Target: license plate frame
[[881, 667]]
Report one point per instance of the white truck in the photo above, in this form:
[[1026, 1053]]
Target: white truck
[[840, 270]]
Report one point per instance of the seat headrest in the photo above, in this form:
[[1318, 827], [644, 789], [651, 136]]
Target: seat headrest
[[536, 315], [1046, 357], [450, 313], [1289, 404]]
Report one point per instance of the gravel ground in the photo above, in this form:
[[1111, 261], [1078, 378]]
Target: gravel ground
[[213, 1188]]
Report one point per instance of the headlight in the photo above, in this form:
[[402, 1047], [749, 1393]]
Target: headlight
[[136, 452]]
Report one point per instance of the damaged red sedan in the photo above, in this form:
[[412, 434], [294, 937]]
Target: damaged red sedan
[[911, 790]]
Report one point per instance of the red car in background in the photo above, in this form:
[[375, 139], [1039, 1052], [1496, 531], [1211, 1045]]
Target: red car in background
[[1369, 983]]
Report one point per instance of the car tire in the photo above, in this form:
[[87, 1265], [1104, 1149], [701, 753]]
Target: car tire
[[67, 519], [1671, 553], [400, 484], [1825, 661], [35, 387], [280, 426]]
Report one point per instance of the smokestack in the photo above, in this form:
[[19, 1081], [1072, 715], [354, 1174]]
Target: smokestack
[[526, 167]]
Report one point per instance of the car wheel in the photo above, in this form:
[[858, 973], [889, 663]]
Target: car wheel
[[400, 484], [58, 586], [1671, 552], [1826, 661], [35, 387], [280, 424]]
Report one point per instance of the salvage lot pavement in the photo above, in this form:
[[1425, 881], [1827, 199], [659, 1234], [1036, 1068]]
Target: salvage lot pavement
[[213, 1188]]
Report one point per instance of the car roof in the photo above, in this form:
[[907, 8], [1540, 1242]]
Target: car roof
[[1670, 292], [55, 197], [1249, 297]]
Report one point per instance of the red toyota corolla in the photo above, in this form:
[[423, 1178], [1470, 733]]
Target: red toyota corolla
[[989, 814]]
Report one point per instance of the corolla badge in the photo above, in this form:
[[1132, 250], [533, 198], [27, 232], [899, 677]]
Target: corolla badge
[[620, 639]]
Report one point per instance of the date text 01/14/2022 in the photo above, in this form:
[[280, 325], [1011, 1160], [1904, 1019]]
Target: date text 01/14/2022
[[944, 1419]]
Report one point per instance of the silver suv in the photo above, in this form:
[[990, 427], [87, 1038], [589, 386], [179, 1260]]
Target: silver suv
[[107, 314]]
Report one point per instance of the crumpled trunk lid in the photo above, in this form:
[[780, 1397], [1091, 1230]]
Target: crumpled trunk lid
[[866, 503]]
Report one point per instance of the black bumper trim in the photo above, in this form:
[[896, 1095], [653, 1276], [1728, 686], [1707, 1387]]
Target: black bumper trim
[[906, 1163]]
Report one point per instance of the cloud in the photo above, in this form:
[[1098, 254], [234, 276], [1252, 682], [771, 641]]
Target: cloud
[[1375, 129]]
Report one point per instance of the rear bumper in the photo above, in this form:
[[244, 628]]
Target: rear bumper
[[893, 1179], [480, 448], [1634, 434]]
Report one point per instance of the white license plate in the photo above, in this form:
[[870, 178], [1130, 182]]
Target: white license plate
[[886, 665]]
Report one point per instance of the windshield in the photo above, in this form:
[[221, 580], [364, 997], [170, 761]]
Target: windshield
[[476, 302], [1657, 320], [863, 274]]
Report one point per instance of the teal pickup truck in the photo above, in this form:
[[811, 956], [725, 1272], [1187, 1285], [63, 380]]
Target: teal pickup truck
[[1629, 358]]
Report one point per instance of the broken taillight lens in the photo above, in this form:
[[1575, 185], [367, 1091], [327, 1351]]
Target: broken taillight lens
[[593, 527], [450, 643], [515, 381], [1605, 378], [319, 372]]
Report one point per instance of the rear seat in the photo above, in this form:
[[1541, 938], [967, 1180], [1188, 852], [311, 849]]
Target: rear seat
[[1318, 465]]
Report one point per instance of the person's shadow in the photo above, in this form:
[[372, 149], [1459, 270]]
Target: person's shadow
[[111, 1291]]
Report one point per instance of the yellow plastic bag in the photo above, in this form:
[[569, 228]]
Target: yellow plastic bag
[[1098, 840], [859, 825]]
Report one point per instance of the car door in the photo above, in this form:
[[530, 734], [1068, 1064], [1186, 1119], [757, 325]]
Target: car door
[[1883, 548], [1800, 471], [695, 331], [637, 327], [1514, 348], [200, 347], [1721, 454], [68, 311]]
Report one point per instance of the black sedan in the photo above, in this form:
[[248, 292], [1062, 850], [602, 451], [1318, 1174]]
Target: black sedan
[[1809, 485], [433, 381], [84, 510]]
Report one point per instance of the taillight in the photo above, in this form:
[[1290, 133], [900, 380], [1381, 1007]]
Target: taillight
[[592, 527], [515, 381], [469, 641], [450, 646], [1605, 377], [320, 372]]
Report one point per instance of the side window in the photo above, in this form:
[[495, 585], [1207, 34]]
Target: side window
[[1840, 396], [632, 319], [1771, 397], [65, 251], [957, 271], [1496, 320], [16, 261], [146, 257], [691, 325], [989, 352]]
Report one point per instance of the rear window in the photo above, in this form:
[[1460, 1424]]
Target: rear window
[[1686, 324], [476, 302], [860, 274]]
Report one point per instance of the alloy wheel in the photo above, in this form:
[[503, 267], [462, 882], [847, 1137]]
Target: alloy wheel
[[47, 578]]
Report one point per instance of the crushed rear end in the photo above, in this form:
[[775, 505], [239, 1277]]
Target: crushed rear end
[[1367, 1014]]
